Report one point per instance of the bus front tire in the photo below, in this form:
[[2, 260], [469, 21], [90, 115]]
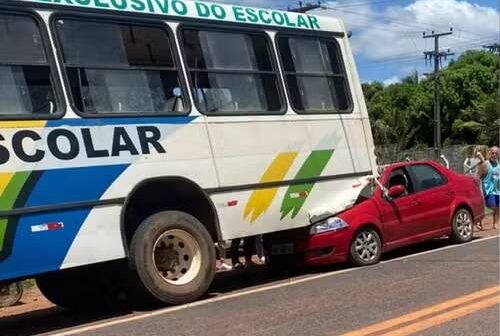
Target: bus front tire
[[172, 255]]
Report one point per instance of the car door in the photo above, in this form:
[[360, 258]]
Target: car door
[[399, 214], [434, 195]]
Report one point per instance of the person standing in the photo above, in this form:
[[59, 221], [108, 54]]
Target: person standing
[[489, 173], [259, 248], [221, 257], [248, 249]]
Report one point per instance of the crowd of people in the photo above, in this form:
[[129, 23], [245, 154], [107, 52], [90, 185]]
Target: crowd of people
[[248, 245]]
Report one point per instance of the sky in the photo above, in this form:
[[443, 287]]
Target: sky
[[387, 34]]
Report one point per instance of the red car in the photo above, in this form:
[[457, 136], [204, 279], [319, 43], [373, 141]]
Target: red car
[[422, 200]]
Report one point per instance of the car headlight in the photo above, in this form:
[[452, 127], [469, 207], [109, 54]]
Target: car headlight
[[330, 224]]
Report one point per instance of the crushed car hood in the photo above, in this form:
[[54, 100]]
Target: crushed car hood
[[339, 200]]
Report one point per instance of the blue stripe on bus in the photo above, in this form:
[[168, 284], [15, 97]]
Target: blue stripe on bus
[[120, 121], [36, 252]]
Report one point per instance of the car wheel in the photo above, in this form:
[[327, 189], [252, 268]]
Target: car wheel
[[366, 248], [462, 226], [173, 257]]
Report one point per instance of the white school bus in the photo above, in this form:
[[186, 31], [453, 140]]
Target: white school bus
[[134, 134]]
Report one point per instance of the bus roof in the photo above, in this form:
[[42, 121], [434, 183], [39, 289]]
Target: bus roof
[[205, 11]]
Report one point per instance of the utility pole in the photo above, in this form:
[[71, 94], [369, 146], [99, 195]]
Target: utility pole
[[437, 55], [303, 8], [493, 47]]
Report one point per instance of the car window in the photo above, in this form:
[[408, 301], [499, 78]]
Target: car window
[[427, 177], [368, 190], [400, 176]]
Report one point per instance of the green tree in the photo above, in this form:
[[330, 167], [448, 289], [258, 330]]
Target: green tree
[[402, 113]]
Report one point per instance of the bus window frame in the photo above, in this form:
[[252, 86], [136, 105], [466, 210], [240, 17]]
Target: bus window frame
[[119, 19], [241, 29], [320, 36], [51, 63]]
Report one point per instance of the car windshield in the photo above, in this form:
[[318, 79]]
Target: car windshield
[[367, 191]]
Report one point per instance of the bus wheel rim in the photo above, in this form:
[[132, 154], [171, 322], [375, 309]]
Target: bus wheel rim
[[177, 257]]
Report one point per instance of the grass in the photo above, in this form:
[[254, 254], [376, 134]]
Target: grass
[[29, 284]]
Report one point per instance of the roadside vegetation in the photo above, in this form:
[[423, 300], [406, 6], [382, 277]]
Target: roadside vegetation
[[402, 114]]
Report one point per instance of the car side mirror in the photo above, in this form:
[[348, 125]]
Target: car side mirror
[[396, 191]]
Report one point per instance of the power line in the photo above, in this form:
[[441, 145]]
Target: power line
[[378, 16], [472, 40], [384, 64], [363, 3], [393, 20], [406, 32], [305, 7], [396, 21], [409, 57]]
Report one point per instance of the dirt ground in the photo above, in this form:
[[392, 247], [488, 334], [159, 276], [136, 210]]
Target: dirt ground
[[33, 301]]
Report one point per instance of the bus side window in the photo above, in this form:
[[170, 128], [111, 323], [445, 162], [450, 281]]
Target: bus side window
[[120, 68], [232, 72], [25, 74], [315, 75]]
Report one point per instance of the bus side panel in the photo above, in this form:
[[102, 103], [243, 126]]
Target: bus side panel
[[287, 151], [344, 133], [188, 156], [55, 238], [269, 219], [245, 148], [99, 238]]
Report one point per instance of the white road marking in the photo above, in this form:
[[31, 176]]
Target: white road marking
[[251, 291]]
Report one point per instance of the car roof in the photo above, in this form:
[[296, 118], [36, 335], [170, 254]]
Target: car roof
[[401, 164]]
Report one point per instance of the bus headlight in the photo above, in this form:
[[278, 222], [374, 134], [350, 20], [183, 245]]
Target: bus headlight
[[330, 224]]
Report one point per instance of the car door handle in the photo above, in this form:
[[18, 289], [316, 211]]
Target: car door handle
[[417, 203], [450, 193]]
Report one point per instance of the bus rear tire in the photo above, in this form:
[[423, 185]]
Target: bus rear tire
[[173, 256]]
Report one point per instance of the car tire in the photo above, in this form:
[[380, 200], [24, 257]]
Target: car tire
[[366, 248], [172, 257], [462, 226]]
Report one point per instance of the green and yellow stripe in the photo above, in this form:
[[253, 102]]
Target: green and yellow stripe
[[261, 199], [296, 195], [11, 184], [10, 188]]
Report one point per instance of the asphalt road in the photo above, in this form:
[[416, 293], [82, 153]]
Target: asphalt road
[[447, 290]]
